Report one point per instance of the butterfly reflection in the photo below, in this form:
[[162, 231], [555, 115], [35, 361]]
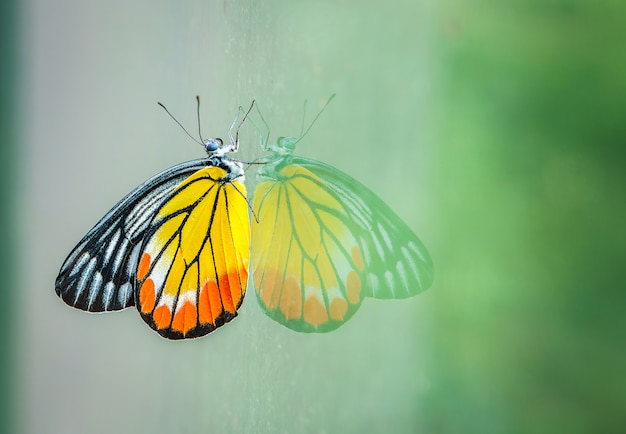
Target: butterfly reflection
[[322, 242]]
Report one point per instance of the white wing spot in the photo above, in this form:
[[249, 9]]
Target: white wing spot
[[401, 272], [410, 259], [107, 294], [413, 248], [168, 300], [124, 294], [379, 247], [189, 296], [111, 247], [84, 278], [389, 279], [131, 265], [119, 257], [94, 288], [80, 263], [385, 236]]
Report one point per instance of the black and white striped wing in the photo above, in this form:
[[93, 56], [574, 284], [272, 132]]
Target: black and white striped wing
[[99, 273]]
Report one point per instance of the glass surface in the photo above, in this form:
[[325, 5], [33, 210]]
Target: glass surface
[[495, 131]]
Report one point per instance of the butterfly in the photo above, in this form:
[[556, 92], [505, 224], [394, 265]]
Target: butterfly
[[323, 242], [177, 247]]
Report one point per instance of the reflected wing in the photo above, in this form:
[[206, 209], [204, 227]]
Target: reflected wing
[[308, 266], [193, 270], [324, 242], [98, 274], [396, 262]]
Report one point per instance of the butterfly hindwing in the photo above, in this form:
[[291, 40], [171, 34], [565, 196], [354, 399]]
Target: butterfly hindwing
[[98, 275], [308, 265], [193, 266]]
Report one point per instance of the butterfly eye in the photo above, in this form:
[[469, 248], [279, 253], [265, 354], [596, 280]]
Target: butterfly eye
[[212, 145]]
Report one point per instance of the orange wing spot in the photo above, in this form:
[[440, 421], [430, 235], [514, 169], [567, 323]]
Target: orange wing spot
[[204, 303], [162, 317], [185, 319], [268, 290], [215, 301], [314, 312], [357, 258], [144, 266], [258, 274], [147, 296], [353, 287], [227, 296], [291, 299], [237, 290], [338, 309]]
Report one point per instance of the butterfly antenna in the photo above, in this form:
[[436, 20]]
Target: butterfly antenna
[[179, 124], [235, 141], [303, 117], [315, 119], [198, 113], [264, 140]]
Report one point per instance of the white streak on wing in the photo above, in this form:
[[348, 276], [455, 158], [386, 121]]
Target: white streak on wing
[[340, 262], [94, 288], [107, 294], [313, 292], [389, 280], [374, 281], [378, 246], [80, 249], [385, 237], [119, 257], [79, 264], [111, 247], [333, 293], [84, 278], [131, 264], [401, 273], [108, 229], [143, 212], [167, 300], [160, 268], [367, 255], [409, 259], [151, 202], [413, 248], [132, 259], [419, 280], [124, 294], [189, 296]]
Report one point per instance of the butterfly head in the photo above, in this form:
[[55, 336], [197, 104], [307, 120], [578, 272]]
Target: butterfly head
[[283, 146], [212, 146]]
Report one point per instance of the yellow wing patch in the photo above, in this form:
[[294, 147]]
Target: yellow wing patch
[[193, 266], [308, 266]]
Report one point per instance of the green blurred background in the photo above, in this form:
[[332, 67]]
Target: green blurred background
[[495, 129]]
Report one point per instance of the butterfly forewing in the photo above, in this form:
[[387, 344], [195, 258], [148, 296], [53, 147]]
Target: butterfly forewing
[[193, 267], [98, 275]]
